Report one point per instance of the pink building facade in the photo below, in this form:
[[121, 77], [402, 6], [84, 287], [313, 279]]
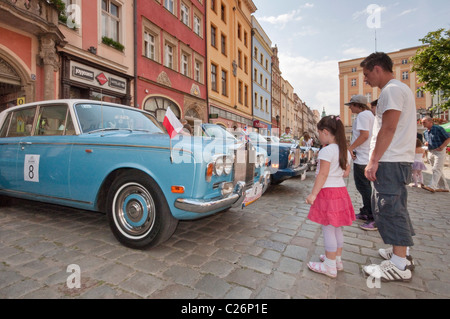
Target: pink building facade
[[171, 58]]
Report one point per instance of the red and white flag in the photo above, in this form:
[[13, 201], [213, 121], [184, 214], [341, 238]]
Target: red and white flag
[[172, 124]]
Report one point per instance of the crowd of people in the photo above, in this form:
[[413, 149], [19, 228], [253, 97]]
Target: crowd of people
[[387, 154]]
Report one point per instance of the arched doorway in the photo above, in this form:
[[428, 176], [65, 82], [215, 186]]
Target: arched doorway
[[10, 85], [157, 105]]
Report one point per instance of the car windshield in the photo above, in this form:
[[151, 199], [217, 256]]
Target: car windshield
[[101, 117], [216, 131], [274, 139]]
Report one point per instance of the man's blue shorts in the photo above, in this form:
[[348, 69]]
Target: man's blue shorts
[[389, 203]]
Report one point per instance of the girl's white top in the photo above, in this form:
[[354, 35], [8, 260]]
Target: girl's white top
[[330, 153]]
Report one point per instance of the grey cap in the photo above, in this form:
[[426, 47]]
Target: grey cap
[[359, 99]]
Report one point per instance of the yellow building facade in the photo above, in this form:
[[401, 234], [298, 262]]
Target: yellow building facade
[[229, 54]]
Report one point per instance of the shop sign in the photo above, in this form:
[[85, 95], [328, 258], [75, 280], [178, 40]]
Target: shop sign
[[87, 75], [258, 124]]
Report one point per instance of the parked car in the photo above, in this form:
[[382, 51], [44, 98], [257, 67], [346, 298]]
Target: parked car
[[257, 154], [285, 158], [116, 159]]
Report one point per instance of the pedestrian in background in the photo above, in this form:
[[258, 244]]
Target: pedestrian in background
[[392, 152], [286, 137], [373, 107], [437, 139], [418, 165], [331, 205], [359, 148]]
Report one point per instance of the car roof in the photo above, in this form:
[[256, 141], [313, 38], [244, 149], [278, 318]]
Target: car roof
[[68, 101]]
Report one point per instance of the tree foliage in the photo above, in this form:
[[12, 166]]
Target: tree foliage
[[432, 65]]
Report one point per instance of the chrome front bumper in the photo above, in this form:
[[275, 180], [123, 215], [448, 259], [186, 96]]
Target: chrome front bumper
[[234, 199]]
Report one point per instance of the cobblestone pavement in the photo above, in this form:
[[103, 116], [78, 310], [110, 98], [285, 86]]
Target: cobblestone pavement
[[256, 253]]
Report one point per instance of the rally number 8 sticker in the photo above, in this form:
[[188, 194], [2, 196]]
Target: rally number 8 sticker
[[31, 168]]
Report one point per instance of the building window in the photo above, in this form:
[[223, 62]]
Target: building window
[[223, 13], [214, 77], [110, 20], [213, 36], [149, 45], [256, 100], [239, 31], [240, 91], [168, 56], [353, 70], [185, 14], [240, 59], [158, 106], [224, 83], [246, 95], [245, 38], [245, 64], [405, 61], [198, 71], [213, 5], [223, 40], [169, 5], [353, 82], [197, 26], [184, 64], [405, 75], [419, 94]]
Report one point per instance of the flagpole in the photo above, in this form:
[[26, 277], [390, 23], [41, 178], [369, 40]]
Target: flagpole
[[170, 149]]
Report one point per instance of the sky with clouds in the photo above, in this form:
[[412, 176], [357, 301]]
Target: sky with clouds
[[313, 36]]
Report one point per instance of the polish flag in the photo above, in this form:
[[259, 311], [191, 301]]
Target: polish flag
[[172, 124]]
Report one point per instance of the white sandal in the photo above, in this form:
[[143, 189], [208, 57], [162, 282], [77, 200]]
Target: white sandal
[[339, 264], [321, 268]]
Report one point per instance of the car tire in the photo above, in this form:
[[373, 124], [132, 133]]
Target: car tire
[[137, 211]]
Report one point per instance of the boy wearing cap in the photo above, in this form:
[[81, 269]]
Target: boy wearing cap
[[359, 148]]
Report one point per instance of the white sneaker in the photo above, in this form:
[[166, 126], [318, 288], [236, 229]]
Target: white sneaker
[[388, 252], [387, 271]]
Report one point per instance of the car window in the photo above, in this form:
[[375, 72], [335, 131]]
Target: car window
[[93, 117], [19, 123], [54, 120], [216, 131]]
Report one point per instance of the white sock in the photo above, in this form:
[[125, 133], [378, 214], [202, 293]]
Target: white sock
[[330, 262], [399, 262], [338, 258], [407, 251]]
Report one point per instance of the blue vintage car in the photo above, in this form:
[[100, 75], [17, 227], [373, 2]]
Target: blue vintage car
[[119, 160], [285, 158]]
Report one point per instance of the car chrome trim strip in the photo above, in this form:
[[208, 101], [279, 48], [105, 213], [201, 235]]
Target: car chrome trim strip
[[44, 196]]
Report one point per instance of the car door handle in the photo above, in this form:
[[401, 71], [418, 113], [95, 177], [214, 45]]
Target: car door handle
[[22, 144]]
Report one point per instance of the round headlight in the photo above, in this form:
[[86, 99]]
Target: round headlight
[[219, 166], [228, 165]]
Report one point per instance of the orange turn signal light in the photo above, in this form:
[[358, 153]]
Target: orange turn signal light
[[177, 189]]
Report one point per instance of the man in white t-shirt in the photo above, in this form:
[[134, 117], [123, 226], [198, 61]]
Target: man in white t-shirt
[[360, 148], [392, 152]]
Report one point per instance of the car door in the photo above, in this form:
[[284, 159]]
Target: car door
[[43, 157], [17, 125]]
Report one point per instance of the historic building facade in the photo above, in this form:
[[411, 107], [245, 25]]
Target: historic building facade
[[276, 92], [171, 58], [229, 54], [97, 61], [262, 79], [29, 61]]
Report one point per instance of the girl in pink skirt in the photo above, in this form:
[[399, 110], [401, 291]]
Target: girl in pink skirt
[[331, 205]]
